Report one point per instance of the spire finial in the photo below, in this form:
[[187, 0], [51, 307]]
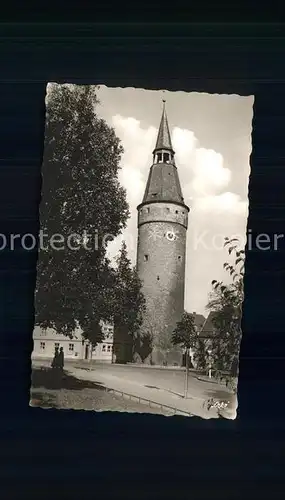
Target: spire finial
[[163, 137]]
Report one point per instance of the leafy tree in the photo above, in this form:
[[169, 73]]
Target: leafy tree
[[81, 195], [128, 299], [226, 301], [185, 333], [200, 355]]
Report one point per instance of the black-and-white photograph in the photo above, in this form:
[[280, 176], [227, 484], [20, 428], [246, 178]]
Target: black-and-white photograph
[[143, 226]]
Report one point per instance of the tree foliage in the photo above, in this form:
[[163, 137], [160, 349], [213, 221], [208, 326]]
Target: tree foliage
[[185, 333], [128, 300], [200, 355], [226, 302], [81, 195]]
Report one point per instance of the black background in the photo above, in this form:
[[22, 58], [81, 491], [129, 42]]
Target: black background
[[65, 454]]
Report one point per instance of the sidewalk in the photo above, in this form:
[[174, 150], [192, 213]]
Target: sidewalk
[[161, 396]]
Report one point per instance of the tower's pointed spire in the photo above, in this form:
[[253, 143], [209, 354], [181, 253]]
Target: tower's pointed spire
[[163, 137], [163, 181]]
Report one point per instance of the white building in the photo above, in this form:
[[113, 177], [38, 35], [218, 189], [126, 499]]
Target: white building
[[46, 340]]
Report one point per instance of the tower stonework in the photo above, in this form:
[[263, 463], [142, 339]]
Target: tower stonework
[[161, 253]]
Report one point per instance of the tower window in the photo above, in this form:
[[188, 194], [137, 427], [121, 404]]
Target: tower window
[[179, 257], [158, 278], [165, 157], [167, 209], [147, 210], [153, 194], [145, 258], [176, 211], [159, 157]]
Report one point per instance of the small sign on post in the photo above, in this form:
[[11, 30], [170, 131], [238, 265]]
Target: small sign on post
[[210, 362]]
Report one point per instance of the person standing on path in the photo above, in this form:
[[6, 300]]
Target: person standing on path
[[60, 359], [54, 363]]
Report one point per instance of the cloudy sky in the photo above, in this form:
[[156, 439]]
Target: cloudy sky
[[211, 136]]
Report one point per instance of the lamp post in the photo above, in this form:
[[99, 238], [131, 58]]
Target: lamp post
[[90, 356], [186, 372]]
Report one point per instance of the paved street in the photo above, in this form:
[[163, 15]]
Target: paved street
[[161, 385], [172, 380]]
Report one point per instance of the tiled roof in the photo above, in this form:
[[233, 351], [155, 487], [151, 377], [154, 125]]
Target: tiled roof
[[199, 320], [208, 328], [163, 184]]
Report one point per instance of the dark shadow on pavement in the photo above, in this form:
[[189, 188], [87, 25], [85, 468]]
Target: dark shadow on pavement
[[168, 390], [51, 379]]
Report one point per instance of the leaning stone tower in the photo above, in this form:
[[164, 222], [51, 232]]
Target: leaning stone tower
[[161, 252]]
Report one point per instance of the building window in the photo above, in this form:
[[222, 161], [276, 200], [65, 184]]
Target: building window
[[158, 278], [154, 194], [56, 345], [43, 333], [147, 210], [145, 258], [176, 211], [179, 257], [42, 346], [71, 347], [103, 348], [109, 348], [167, 209]]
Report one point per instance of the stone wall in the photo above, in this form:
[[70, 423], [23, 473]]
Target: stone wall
[[161, 267]]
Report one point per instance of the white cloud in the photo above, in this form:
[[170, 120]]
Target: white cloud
[[209, 173], [227, 202]]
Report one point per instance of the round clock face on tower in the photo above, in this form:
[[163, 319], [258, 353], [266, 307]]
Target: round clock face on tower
[[170, 235]]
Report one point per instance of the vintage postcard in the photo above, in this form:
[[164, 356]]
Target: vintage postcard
[[141, 251]]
